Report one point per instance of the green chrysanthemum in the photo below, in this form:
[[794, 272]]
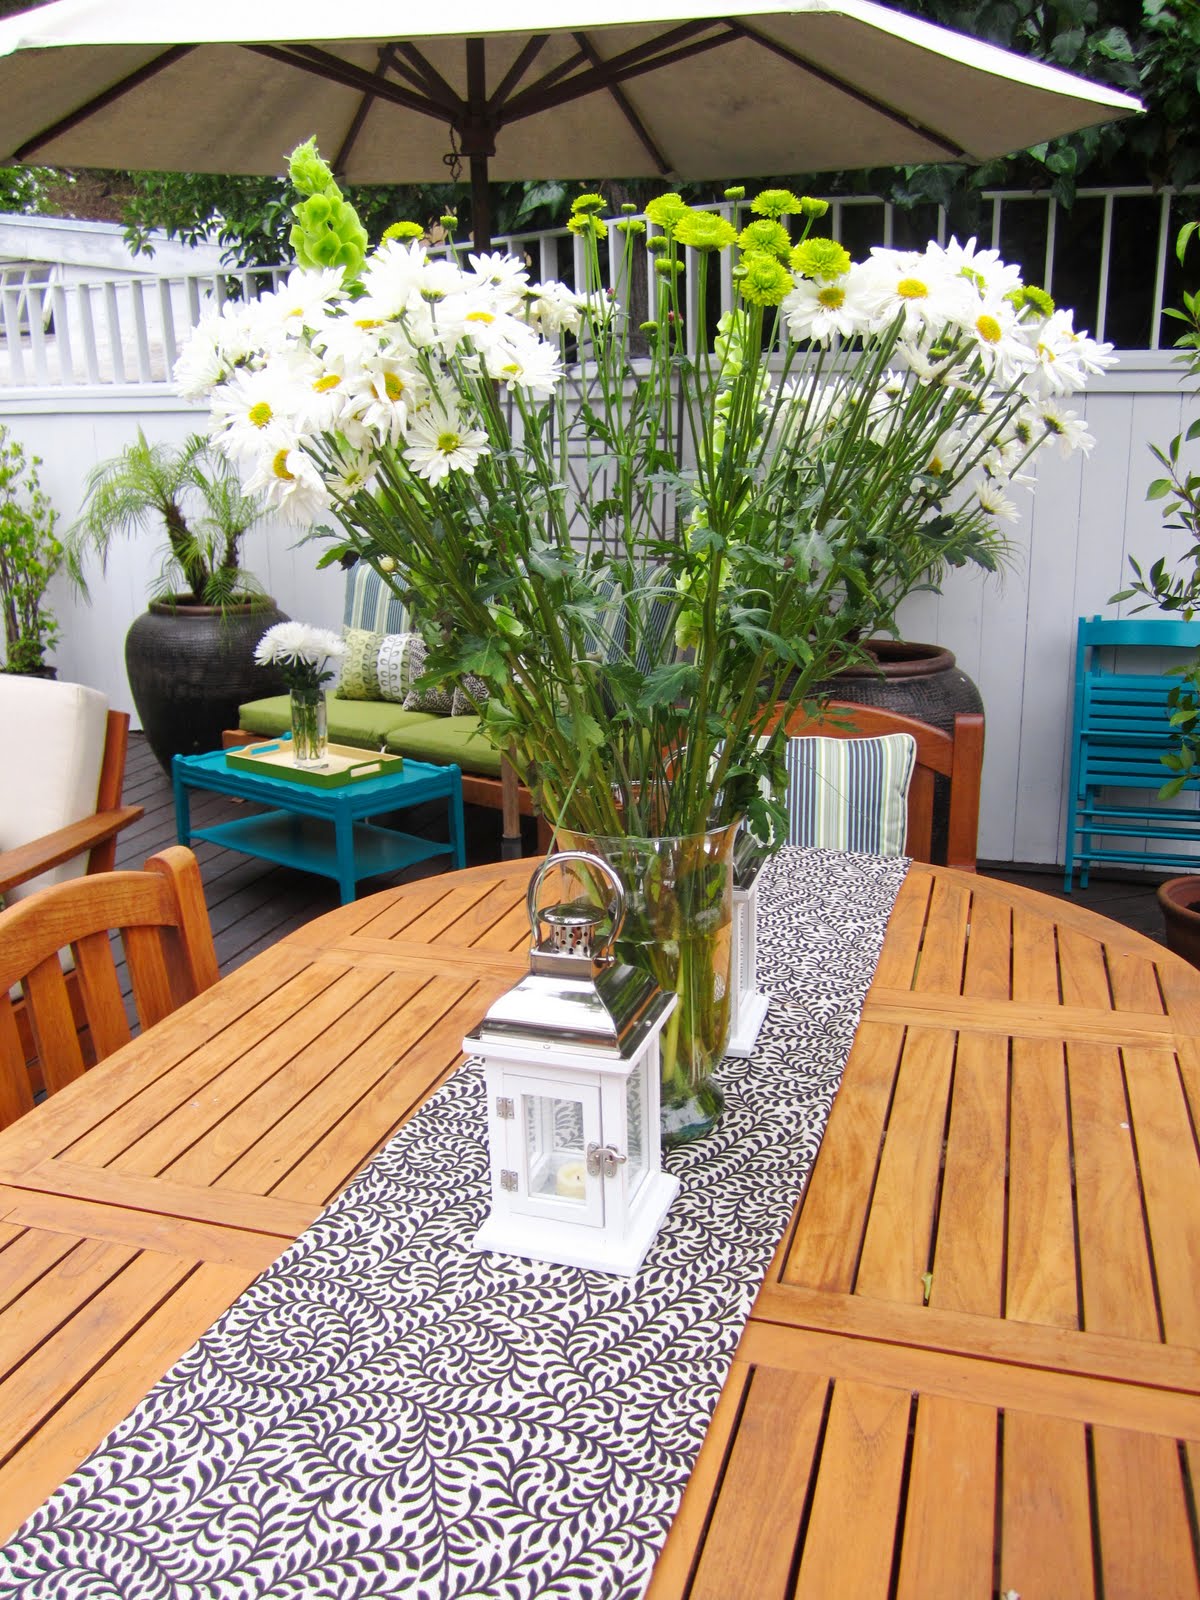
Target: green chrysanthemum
[[628, 207], [777, 203], [736, 191], [770, 237], [656, 243], [665, 211], [812, 208], [668, 269], [705, 230], [588, 202], [821, 258], [404, 230], [631, 225], [585, 222], [762, 279], [1030, 298], [449, 222]]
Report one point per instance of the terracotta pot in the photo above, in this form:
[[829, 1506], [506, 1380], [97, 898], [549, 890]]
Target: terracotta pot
[[191, 667], [1180, 902]]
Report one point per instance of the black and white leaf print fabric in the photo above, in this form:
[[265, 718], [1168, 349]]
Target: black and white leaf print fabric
[[385, 1412]]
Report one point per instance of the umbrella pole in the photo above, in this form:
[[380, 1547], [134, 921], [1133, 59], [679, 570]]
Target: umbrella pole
[[481, 204]]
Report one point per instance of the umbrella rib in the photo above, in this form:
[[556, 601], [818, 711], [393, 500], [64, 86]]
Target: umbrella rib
[[626, 109], [532, 49], [948, 146], [546, 94], [333, 70], [426, 74], [100, 101], [382, 62]]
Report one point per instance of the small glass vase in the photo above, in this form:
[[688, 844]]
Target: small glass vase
[[679, 928], [309, 726]]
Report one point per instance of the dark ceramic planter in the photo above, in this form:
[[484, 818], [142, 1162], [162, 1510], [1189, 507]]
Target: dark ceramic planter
[[191, 667], [1180, 902], [915, 680]]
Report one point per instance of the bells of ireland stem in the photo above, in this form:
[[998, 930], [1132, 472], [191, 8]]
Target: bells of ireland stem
[[326, 232]]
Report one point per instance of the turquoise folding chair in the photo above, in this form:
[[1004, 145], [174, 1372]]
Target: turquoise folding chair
[[1121, 731]]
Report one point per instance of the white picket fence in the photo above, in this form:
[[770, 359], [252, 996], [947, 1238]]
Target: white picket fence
[[83, 366]]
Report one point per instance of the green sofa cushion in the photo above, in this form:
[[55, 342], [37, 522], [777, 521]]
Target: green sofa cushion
[[356, 722], [446, 739]]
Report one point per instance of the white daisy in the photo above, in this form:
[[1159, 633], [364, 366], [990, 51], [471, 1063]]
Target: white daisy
[[528, 364], [991, 499], [290, 484], [820, 309], [1066, 427], [439, 444], [552, 308]]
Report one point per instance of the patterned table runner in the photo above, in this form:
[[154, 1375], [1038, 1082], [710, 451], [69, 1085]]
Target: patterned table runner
[[385, 1412]]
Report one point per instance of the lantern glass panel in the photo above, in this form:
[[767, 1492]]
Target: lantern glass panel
[[554, 1147], [635, 1112]]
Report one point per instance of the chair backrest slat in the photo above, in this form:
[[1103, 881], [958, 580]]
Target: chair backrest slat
[[16, 1092], [145, 959], [161, 916], [100, 992], [54, 1030]]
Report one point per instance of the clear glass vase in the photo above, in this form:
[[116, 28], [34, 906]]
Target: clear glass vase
[[309, 726], [679, 927]]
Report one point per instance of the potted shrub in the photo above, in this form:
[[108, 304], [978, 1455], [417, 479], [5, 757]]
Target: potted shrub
[[30, 555], [190, 656]]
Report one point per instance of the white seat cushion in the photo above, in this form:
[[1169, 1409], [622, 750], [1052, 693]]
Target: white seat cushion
[[54, 746]]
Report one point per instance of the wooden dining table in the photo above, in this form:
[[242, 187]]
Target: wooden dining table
[[973, 1368]]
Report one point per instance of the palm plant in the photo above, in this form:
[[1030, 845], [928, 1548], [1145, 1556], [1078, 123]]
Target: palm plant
[[196, 496]]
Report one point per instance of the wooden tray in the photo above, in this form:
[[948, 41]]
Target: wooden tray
[[342, 764]]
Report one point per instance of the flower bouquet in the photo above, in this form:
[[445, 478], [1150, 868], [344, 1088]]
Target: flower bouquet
[[645, 532], [302, 655]]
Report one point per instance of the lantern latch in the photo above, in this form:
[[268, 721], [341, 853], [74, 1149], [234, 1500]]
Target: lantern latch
[[603, 1160]]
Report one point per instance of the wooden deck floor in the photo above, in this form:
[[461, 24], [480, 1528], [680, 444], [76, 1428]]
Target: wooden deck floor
[[253, 903]]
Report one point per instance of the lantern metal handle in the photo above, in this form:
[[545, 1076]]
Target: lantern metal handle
[[616, 905]]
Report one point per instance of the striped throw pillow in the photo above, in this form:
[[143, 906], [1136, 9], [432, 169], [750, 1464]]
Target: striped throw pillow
[[850, 794], [371, 604]]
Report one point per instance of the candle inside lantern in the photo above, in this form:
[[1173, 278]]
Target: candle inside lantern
[[569, 1180]]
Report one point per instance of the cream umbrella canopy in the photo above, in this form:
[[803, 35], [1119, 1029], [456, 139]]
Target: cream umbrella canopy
[[533, 89]]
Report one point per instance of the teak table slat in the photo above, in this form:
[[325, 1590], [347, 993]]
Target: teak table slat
[[973, 1367]]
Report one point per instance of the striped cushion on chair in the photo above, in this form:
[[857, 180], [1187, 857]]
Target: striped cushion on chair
[[371, 604], [850, 794]]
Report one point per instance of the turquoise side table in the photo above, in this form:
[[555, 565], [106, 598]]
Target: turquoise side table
[[323, 830]]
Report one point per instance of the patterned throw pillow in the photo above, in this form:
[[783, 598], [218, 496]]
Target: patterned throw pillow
[[401, 663], [360, 664], [469, 695], [439, 700], [850, 794], [380, 666]]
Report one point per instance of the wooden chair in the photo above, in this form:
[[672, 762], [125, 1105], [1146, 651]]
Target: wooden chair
[[957, 757], [163, 921]]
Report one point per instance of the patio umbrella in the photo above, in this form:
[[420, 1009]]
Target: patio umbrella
[[535, 88]]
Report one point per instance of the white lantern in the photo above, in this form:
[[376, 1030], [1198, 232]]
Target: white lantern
[[747, 1007], [571, 1057]]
